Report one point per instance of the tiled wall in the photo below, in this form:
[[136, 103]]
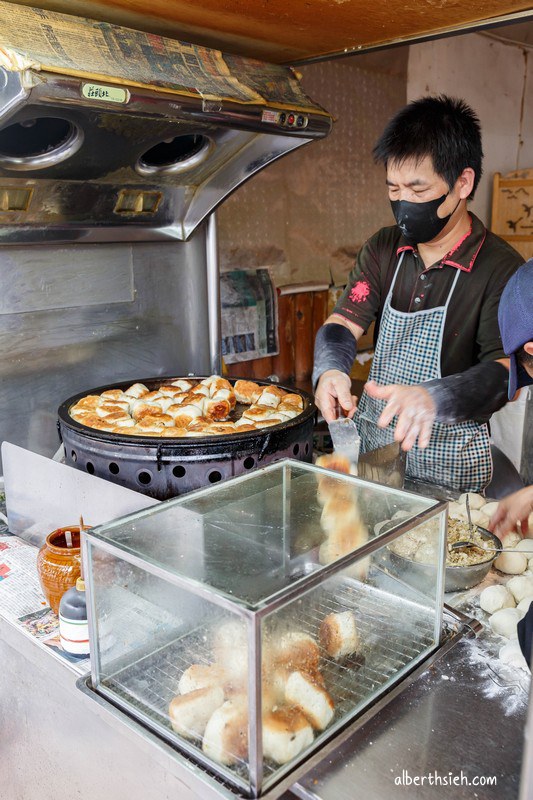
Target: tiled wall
[[308, 214]]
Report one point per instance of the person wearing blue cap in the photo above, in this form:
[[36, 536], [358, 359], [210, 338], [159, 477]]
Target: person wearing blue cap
[[515, 318]]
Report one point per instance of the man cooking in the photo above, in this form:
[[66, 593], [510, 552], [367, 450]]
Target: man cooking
[[432, 283]]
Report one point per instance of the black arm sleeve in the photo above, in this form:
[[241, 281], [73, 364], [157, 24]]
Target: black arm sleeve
[[335, 348], [525, 634], [473, 394]]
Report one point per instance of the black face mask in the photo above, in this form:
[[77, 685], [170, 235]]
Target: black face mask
[[419, 221]]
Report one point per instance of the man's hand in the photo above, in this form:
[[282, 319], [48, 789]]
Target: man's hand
[[512, 511], [414, 407], [335, 389]]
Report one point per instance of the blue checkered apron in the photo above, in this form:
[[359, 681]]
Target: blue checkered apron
[[408, 352]]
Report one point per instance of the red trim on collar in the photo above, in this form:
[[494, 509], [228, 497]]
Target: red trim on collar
[[447, 261], [477, 251], [458, 244], [403, 248], [450, 263]]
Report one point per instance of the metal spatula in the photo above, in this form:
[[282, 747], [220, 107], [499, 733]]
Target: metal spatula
[[345, 438], [466, 544]]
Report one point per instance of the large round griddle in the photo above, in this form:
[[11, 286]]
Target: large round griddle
[[164, 468]]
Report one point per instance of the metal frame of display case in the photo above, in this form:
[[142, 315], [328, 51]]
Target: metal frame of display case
[[253, 616], [213, 788]]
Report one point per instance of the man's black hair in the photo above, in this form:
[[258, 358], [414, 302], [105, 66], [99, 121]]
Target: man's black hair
[[444, 128]]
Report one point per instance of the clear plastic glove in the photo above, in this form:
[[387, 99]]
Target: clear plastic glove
[[334, 389], [414, 407], [512, 511]]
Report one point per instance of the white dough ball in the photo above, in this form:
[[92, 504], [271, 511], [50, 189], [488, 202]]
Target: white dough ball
[[511, 563], [476, 500], [479, 518], [530, 564], [493, 598], [523, 605], [504, 622], [456, 511], [525, 546], [520, 587], [489, 509], [511, 654], [511, 539]]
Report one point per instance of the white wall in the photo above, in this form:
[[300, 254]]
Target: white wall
[[496, 79]]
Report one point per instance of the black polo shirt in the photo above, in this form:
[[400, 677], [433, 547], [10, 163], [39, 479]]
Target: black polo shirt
[[471, 332]]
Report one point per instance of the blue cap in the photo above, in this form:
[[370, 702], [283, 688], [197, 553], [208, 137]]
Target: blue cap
[[515, 316]]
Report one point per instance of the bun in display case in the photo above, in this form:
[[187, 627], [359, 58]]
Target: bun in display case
[[247, 626]]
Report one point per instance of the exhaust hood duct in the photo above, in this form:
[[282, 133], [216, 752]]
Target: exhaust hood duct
[[98, 147]]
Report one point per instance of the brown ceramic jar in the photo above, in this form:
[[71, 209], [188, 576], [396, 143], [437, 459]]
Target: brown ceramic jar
[[58, 565]]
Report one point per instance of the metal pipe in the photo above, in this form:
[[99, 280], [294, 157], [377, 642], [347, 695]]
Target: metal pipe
[[213, 296]]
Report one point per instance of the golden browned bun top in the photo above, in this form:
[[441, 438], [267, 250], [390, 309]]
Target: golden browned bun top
[[177, 407]]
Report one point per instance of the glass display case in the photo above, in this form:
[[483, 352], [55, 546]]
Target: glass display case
[[249, 621]]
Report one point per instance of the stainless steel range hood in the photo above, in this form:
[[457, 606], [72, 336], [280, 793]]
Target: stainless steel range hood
[[99, 147]]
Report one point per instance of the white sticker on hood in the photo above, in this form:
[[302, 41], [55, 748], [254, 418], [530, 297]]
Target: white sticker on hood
[[270, 116], [110, 94]]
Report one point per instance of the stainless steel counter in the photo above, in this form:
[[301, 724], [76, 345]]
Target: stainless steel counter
[[466, 712], [465, 716]]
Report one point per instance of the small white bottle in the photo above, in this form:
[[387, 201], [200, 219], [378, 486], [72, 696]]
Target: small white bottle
[[73, 626]]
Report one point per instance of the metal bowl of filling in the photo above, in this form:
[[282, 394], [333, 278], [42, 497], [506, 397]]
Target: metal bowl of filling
[[465, 573], [464, 567]]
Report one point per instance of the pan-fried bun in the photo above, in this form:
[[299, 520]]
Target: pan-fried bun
[[89, 403], [297, 650], [200, 676], [190, 713], [247, 392], [182, 384], [173, 430], [110, 408], [137, 390], [288, 410], [258, 413], [293, 400], [217, 409], [112, 394], [334, 461], [286, 732], [304, 692], [226, 734], [338, 634], [270, 396]]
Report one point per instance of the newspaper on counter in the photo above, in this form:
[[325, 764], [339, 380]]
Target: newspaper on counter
[[23, 603], [248, 301]]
